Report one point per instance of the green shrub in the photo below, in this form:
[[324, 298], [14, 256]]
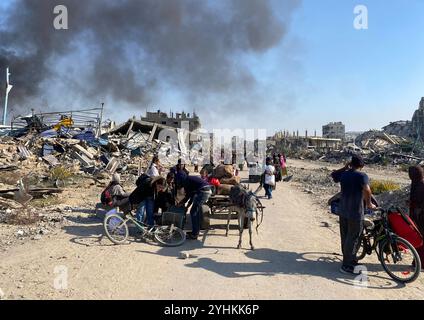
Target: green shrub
[[60, 173], [381, 186]]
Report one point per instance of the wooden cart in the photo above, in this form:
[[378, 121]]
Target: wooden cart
[[218, 207]]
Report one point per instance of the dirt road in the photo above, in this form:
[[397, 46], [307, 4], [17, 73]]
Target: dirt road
[[296, 257]]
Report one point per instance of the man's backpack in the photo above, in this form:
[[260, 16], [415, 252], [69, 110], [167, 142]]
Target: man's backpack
[[106, 196]]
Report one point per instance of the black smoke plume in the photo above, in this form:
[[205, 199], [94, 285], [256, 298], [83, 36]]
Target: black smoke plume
[[132, 50]]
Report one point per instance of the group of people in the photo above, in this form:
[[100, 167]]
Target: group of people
[[154, 192], [275, 169], [356, 196]]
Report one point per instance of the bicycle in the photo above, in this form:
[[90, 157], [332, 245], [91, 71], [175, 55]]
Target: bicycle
[[116, 229], [391, 249]]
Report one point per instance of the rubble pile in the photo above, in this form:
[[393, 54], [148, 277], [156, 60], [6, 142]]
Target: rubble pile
[[316, 182], [41, 159], [319, 184], [385, 154], [396, 199], [80, 148]]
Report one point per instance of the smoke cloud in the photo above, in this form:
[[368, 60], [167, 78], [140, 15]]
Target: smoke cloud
[[132, 51]]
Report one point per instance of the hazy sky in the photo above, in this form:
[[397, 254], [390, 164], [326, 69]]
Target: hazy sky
[[321, 70]]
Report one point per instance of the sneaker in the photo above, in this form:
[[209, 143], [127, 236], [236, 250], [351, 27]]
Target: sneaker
[[349, 270], [191, 236]]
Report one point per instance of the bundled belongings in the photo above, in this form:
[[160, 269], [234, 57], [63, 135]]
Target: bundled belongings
[[233, 181], [223, 171], [224, 189], [334, 203]]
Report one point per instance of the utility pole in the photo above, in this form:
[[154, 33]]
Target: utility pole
[[99, 131], [8, 88]]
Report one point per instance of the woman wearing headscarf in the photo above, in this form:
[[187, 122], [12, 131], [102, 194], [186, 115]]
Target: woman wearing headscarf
[[119, 195], [416, 203], [283, 164]]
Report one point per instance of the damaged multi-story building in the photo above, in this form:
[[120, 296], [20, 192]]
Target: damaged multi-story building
[[172, 120], [334, 130]]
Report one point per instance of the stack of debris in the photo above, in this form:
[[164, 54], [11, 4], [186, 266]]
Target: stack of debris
[[396, 199], [378, 141], [376, 147], [44, 150]]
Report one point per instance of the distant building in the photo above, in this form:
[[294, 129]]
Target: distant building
[[173, 121], [334, 130]]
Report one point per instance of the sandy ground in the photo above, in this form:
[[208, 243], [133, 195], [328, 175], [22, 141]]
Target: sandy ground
[[296, 257]]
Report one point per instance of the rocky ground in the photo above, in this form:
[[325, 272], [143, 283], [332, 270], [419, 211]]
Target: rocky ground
[[45, 216], [313, 177]]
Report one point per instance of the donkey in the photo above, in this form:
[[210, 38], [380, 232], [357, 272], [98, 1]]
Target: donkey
[[245, 203]]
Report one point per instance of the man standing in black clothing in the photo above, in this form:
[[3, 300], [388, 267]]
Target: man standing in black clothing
[[355, 192]]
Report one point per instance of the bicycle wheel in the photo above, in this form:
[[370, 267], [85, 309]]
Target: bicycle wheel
[[362, 250], [116, 229], [400, 260], [170, 236]]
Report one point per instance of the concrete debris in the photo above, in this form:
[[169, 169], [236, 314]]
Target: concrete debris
[[321, 187], [84, 152], [24, 153], [44, 155], [396, 199], [51, 160]]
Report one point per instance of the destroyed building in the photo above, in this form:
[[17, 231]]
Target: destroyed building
[[377, 141], [334, 130], [350, 136], [171, 120], [418, 121], [413, 130], [284, 142], [399, 128]]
